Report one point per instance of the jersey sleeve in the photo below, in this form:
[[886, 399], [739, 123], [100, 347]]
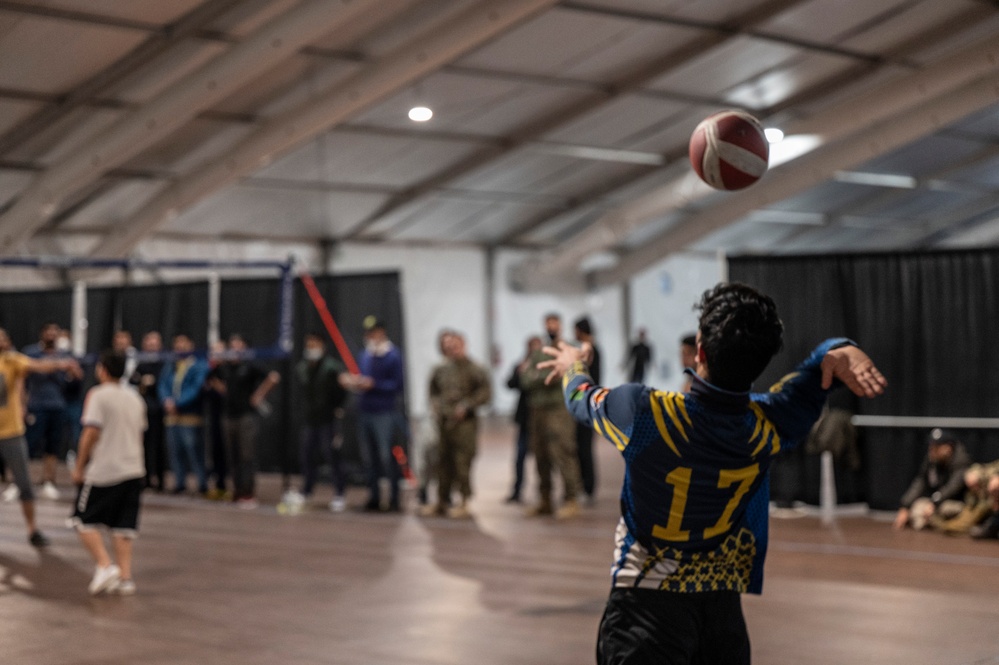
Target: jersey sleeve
[[611, 412], [795, 402]]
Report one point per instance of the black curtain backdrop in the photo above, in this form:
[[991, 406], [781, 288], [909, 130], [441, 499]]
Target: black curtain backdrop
[[929, 320], [248, 307], [22, 314]]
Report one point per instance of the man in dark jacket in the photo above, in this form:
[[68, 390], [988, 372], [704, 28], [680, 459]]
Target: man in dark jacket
[[937, 488], [320, 376], [144, 379], [522, 418]]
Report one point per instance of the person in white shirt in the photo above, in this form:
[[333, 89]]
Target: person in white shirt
[[110, 471]]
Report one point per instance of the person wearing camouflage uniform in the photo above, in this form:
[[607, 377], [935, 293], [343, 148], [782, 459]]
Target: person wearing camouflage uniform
[[458, 387], [552, 431]]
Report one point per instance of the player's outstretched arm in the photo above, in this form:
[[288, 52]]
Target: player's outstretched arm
[[855, 369]]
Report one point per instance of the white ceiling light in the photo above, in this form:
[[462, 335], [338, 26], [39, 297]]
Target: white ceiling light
[[773, 134], [420, 114]]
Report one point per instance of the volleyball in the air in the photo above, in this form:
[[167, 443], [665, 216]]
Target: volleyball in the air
[[729, 150]]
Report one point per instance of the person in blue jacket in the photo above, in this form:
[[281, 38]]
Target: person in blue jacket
[[694, 505], [180, 388], [380, 384]]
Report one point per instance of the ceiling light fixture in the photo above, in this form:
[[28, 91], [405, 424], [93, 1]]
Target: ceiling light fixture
[[420, 114]]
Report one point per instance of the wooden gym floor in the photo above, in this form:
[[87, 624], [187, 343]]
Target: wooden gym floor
[[219, 585]]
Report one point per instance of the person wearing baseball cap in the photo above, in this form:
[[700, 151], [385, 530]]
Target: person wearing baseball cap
[[937, 488], [380, 385]]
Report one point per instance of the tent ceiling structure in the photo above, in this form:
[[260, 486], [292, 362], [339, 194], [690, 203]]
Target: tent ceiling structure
[[560, 126]]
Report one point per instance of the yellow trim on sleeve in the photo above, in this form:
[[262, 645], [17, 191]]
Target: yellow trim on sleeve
[[657, 414]]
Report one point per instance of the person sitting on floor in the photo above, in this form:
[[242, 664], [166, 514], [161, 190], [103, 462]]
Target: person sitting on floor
[[937, 488]]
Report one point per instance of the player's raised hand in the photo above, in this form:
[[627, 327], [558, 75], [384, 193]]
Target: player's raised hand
[[563, 357], [855, 369]]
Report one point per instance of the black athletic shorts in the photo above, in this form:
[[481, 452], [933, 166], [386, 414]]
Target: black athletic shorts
[[114, 506], [642, 626]]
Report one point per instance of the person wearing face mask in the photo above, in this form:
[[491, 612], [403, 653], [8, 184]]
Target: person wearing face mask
[[15, 368], [380, 385], [552, 431], [47, 407], [321, 378], [244, 386]]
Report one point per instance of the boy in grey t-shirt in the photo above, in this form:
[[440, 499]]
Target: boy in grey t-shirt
[[110, 470]]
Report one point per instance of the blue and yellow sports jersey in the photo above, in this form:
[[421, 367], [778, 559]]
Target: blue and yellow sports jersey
[[694, 505]]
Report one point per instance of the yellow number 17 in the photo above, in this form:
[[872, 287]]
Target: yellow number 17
[[679, 478]]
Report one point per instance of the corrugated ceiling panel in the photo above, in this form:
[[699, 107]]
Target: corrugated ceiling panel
[[13, 111], [115, 205], [576, 44], [52, 56], [166, 70], [825, 198], [12, 182], [64, 137], [726, 66], [347, 157], [787, 80], [926, 157], [145, 11], [616, 124], [250, 15], [279, 213], [196, 143], [827, 22]]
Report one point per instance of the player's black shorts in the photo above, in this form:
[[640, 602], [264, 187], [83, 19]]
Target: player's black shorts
[[642, 626], [114, 506]]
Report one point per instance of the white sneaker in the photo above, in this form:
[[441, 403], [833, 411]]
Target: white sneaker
[[338, 504], [123, 588], [293, 498], [104, 579], [50, 491], [11, 493]]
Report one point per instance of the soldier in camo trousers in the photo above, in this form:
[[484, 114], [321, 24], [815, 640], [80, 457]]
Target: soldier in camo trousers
[[458, 387], [552, 431]]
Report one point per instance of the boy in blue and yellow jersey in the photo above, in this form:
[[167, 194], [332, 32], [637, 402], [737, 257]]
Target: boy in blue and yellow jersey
[[693, 530]]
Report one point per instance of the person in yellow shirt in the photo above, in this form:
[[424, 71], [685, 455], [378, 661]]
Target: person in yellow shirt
[[14, 367]]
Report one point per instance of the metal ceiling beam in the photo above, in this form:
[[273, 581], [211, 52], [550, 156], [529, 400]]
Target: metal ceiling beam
[[87, 92], [536, 130], [372, 83], [798, 175], [833, 123], [173, 108]]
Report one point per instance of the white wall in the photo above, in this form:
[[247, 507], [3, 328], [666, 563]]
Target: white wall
[[520, 315], [662, 300]]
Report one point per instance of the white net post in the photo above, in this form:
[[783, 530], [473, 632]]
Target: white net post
[[827, 490], [214, 308], [79, 315]]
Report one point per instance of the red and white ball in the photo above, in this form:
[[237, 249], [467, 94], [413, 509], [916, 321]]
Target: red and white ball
[[729, 150]]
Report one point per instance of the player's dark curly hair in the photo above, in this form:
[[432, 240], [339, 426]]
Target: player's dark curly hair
[[740, 333]]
